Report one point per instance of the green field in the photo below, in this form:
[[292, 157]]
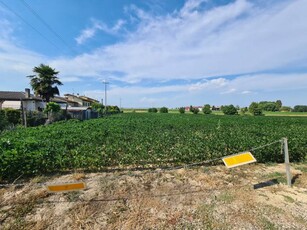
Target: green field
[[143, 139]]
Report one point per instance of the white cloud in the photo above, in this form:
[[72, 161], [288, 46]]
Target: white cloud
[[188, 44], [98, 26], [232, 39], [209, 84], [214, 90]]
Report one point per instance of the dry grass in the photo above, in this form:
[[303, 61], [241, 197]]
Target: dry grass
[[200, 198]]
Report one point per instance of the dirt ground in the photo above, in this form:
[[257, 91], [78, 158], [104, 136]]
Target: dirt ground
[[208, 197]]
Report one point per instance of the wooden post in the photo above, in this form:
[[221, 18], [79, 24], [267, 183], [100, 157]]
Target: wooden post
[[23, 113], [287, 162]]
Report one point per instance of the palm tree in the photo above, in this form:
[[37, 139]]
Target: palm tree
[[45, 82]]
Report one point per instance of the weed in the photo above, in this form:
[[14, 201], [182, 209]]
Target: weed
[[289, 199], [302, 168], [281, 178], [73, 196], [268, 224], [226, 197]]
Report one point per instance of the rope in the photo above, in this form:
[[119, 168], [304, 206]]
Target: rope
[[260, 147]]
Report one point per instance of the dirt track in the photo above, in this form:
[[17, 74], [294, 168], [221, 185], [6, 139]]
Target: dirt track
[[248, 197]]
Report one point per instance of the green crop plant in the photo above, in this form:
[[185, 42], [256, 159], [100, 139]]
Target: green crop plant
[[145, 139]]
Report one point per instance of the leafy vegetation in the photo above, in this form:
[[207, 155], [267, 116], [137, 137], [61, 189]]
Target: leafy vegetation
[[181, 110], [300, 108], [142, 139], [229, 110], [163, 110], [194, 110], [152, 110], [45, 82], [206, 109]]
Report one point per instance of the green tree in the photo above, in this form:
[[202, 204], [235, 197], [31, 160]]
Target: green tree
[[98, 107], [268, 106], [244, 110], [163, 110], [206, 109], [255, 109], [229, 110], [52, 109], [278, 104], [45, 82], [194, 110], [300, 108], [181, 110], [152, 110]]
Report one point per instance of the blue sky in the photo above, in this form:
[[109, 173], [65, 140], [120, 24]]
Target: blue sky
[[160, 53]]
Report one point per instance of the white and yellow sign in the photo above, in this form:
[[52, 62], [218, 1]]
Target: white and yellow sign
[[238, 159], [66, 187]]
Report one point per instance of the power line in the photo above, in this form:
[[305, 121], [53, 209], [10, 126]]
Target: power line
[[47, 25], [37, 31]]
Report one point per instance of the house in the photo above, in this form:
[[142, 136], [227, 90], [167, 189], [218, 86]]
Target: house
[[82, 113], [81, 100], [77, 106], [15, 100], [63, 102]]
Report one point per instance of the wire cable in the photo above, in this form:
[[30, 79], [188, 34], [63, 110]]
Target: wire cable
[[21, 18], [46, 24]]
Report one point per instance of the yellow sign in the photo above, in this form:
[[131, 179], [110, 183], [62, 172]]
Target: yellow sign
[[66, 187], [239, 159]]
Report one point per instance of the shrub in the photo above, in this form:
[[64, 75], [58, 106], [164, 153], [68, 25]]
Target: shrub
[[244, 110], [255, 109], [13, 116], [182, 110], [229, 110], [35, 119], [300, 108], [194, 110], [152, 110], [3, 121], [163, 110], [206, 109], [113, 109]]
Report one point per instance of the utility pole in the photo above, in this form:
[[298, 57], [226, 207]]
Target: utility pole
[[105, 94]]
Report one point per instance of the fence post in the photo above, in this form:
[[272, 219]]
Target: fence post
[[287, 162]]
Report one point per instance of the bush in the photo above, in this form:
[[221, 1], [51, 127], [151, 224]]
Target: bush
[[194, 110], [13, 116], [244, 110], [152, 110], [206, 109], [113, 109], [182, 110], [163, 110], [255, 109], [300, 108], [35, 119], [229, 110], [3, 121]]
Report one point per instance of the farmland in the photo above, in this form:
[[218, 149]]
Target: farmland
[[145, 140]]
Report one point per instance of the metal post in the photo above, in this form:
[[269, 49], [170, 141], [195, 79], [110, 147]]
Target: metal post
[[287, 162], [105, 94]]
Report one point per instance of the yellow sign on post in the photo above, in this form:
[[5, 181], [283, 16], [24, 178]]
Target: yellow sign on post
[[66, 187], [239, 159]]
